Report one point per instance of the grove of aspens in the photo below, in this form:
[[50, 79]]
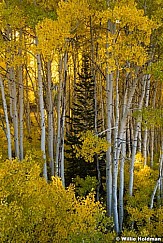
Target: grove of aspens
[[81, 121]]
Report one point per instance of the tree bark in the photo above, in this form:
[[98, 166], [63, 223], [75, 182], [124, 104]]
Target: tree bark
[[8, 133], [21, 112], [146, 130], [42, 113], [50, 118], [15, 111], [135, 141], [61, 119], [21, 103]]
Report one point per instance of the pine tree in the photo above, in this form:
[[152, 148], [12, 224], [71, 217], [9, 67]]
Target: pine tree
[[82, 119]]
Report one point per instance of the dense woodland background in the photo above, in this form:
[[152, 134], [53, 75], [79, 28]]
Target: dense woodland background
[[81, 108]]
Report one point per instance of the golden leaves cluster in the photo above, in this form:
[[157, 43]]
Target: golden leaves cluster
[[127, 41], [53, 35], [128, 36], [32, 210], [50, 37], [91, 145]]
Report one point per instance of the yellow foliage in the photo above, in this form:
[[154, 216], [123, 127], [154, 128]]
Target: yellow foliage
[[73, 14], [91, 145], [51, 35], [130, 34], [11, 16], [72, 19], [139, 160], [32, 210], [144, 219]]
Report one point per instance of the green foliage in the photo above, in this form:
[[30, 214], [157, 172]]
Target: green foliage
[[138, 210], [85, 186], [32, 210], [82, 124], [156, 69], [149, 117], [152, 116]]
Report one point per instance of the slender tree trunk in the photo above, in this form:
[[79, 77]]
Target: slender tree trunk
[[8, 133], [152, 132], [109, 112], [159, 180], [121, 187], [21, 111], [50, 118], [61, 120], [95, 108], [146, 130], [115, 164], [109, 95], [135, 141], [42, 112], [121, 176], [161, 175], [140, 139], [15, 111], [154, 192], [27, 107], [21, 103], [117, 152], [58, 118]]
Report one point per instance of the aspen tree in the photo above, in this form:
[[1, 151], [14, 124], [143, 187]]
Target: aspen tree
[[50, 118], [122, 41], [42, 112], [93, 73], [115, 164], [109, 102], [12, 31], [21, 103], [135, 141], [61, 118], [152, 130], [123, 152], [146, 130], [15, 110], [58, 117], [8, 133], [159, 183]]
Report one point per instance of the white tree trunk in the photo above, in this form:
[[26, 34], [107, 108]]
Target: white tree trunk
[[50, 118], [109, 97], [21, 112], [61, 119], [117, 151], [121, 187], [115, 164], [8, 134], [121, 176], [15, 111], [135, 141], [58, 119], [42, 113], [160, 178], [146, 130], [21, 104], [95, 108], [152, 130]]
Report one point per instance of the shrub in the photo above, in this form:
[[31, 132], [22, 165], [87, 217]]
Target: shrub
[[32, 210]]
